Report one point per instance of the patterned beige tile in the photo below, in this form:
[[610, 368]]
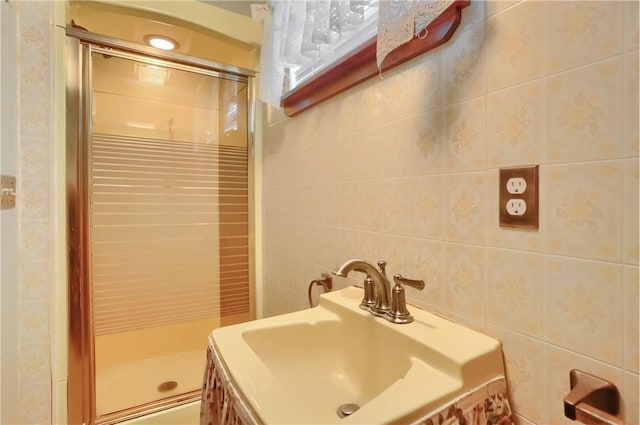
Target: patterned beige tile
[[352, 242], [580, 32], [34, 241], [631, 34], [631, 187], [327, 118], [34, 79], [350, 111], [392, 249], [291, 134], [34, 158], [429, 264], [34, 39], [423, 149], [10, 384], [312, 128], [581, 206], [374, 106], [275, 134], [35, 15], [465, 208], [631, 395], [630, 102], [333, 208], [514, 282], [463, 67], [495, 6], [369, 157], [557, 364], [527, 240], [514, 126], [372, 210], [372, 157], [34, 281], [425, 80], [429, 207], [35, 119], [294, 244], [465, 276], [371, 247], [397, 209], [470, 322], [35, 365], [631, 312], [327, 206], [399, 98], [350, 198], [310, 243], [523, 364], [513, 53], [34, 322], [35, 199], [35, 403], [388, 143], [583, 119], [313, 161], [583, 307], [312, 204], [349, 161], [324, 248], [465, 136]]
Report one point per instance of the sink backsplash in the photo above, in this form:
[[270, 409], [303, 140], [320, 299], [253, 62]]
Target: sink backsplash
[[405, 169]]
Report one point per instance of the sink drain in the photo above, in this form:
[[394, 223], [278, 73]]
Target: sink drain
[[167, 386], [347, 410]]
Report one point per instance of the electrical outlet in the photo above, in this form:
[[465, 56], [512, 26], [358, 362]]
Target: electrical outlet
[[518, 197], [516, 207], [516, 185]]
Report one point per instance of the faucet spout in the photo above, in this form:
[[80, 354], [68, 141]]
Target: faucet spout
[[382, 284]]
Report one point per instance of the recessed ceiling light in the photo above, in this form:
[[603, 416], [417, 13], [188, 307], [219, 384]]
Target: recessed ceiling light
[[161, 42]]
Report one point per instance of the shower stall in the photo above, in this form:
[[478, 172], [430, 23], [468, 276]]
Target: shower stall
[[160, 246]]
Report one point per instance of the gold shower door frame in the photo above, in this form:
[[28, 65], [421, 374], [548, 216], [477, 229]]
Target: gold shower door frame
[[81, 403]]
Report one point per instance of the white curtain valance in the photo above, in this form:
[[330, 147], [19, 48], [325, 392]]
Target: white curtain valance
[[305, 33]]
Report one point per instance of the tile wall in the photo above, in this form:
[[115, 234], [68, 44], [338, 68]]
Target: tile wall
[[405, 168], [27, 234]]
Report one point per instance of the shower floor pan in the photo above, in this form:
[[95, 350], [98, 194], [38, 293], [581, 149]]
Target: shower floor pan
[[133, 384]]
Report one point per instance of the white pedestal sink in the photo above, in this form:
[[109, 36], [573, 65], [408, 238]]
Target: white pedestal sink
[[299, 368]]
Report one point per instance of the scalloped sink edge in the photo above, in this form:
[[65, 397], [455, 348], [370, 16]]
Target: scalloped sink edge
[[298, 368]]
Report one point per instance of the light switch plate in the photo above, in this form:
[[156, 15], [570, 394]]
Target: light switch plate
[[518, 197]]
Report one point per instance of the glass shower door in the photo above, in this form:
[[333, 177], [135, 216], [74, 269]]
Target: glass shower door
[[168, 238]]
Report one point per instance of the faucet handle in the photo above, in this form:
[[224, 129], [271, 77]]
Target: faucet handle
[[382, 265], [418, 284], [399, 312], [369, 299]]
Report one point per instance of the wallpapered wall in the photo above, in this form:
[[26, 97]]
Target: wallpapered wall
[[405, 168], [27, 233]]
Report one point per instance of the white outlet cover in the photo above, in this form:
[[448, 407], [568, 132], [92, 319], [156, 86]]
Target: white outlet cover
[[516, 185], [516, 206]]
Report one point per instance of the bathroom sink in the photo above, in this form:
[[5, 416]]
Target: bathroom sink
[[301, 367]]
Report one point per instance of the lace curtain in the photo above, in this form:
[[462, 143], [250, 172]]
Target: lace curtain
[[307, 33]]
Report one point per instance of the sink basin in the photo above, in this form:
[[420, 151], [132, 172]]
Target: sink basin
[[299, 368]]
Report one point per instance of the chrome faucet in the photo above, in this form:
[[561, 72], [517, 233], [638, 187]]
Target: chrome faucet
[[377, 290], [382, 289]]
